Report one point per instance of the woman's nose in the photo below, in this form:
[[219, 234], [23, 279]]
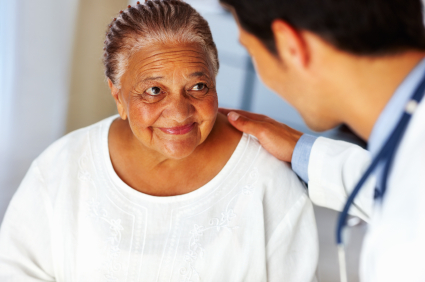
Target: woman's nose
[[179, 108]]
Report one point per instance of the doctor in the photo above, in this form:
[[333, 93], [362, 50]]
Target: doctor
[[357, 62]]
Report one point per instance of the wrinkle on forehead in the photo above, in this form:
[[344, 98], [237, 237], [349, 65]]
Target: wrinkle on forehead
[[176, 53], [167, 71], [160, 59], [164, 63], [159, 55]]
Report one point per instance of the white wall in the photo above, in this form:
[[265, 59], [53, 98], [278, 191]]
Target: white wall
[[36, 43]]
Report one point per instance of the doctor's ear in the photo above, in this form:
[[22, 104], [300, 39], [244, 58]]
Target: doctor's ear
[[290, 44], [116, 94]]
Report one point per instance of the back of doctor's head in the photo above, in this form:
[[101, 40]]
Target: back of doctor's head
[[361, 27]]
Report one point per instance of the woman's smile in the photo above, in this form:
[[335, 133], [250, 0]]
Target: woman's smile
[[178, 130]]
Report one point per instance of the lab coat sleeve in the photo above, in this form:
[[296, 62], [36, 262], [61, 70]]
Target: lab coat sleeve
[[25, 236], [334, 169], [301, 156], [292, 251]]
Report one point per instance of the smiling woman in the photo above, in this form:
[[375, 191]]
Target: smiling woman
[[166, 191]]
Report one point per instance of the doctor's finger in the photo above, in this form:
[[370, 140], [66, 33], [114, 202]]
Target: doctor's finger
[[247, 114], [245, 124]]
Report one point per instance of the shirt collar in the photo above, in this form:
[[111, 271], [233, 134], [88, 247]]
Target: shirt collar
[[393, 111]]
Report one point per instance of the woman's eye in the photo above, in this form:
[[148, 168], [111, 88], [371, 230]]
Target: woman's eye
[[199, 86], [154, 91]]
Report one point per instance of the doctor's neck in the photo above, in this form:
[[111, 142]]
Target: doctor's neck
[[370, 82]]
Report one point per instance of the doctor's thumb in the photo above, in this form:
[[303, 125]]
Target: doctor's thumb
[[244, 124]]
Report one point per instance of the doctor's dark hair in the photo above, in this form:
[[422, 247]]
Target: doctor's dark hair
[[154, 22], [361, 27]]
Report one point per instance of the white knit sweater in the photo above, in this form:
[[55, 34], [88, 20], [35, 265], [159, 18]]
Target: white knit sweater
[[74, 219]]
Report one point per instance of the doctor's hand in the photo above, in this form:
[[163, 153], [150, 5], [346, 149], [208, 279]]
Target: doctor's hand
[[277, 138]]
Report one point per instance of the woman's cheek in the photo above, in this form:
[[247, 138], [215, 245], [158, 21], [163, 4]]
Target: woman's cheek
[[207, 110], [208, 107], [144, 115]]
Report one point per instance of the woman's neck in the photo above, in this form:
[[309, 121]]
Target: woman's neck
[[133, 162]]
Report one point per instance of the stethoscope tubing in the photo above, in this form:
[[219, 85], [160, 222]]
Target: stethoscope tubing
[[386, 154]]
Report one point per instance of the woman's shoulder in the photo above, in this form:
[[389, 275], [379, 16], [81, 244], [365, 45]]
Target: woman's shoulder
[[250, 154], [63, 151], [278, 181], [226, 133], [271, 167], [282, 194]]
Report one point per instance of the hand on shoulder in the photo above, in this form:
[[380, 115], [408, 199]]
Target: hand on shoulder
[[277, 138]]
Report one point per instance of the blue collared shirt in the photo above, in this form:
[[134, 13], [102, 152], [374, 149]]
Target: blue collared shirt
[[385, 123]]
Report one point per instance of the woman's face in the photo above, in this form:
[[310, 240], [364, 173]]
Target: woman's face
[[168, 95]]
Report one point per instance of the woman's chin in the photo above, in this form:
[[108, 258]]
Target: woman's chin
[[177, 154], [178, 150], [177, 146]]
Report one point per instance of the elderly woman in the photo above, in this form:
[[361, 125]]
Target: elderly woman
[[167, 191]]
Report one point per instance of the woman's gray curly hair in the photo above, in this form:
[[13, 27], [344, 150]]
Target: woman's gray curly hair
[[156, 21]]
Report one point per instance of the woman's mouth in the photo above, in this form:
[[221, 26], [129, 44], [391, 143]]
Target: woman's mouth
[[178, 130]]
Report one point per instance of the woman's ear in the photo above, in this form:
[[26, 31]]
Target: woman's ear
[[116, 94], [290, 44]]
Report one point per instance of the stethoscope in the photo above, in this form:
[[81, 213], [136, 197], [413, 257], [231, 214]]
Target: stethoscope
[[386, 157]]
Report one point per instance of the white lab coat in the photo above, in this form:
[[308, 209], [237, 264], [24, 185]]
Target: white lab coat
[[394, 246]]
